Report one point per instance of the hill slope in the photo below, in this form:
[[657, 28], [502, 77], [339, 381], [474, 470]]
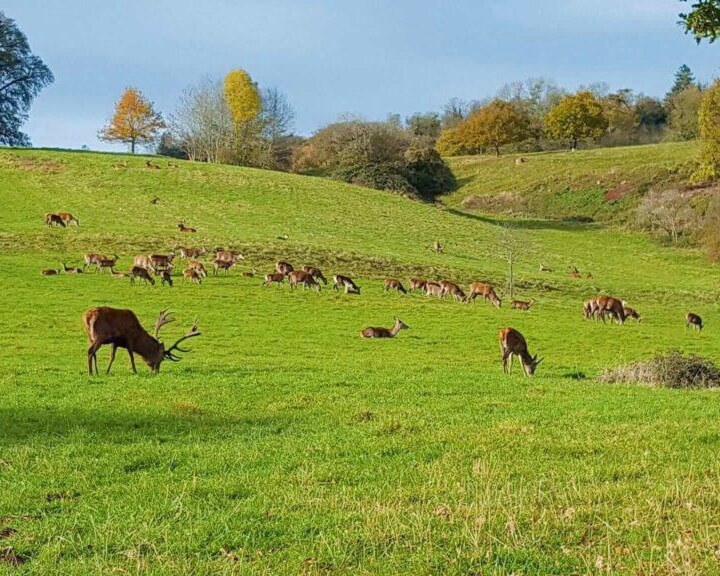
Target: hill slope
[[285, 444], [601, 184]]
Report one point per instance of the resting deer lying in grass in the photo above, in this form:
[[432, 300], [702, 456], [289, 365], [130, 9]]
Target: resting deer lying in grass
[[274, 277], [512, 343], [250, 274], [71, 269], [345, 282], [315, 273], [283, 267], [68, 219], [49, 272], [151, 165], [486, 291], [522, 305], [377, 332], [141, 273], [392, 284], [417, 284], [55, 219], [193, 275], [122, 329], [693, 320], [187, 229], [301, 277]]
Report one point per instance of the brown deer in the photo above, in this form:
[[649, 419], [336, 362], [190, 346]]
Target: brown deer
[[193, 275], [378, 332], [609, 306], [166, 278], [141, 273], [222, 265], [68, 219], [228, 255], [161, 261], [187, 253], [486, 291], [512, 343], [198, 266], [315, 273], [693, 320], [448, 287], [392, 284], [345, 282], [107, 263], [283, 267], [49, 272], [417, 284], [122, 329], [144, 262], [71, 269], [590, 309], [92, 260], [186, 229], [301, 277], [151, 165], [274, 277], [55, 219], [433, 289], [522, 305], [631, 313]]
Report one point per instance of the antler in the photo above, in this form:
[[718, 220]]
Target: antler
[[163, 318], [190, 334]]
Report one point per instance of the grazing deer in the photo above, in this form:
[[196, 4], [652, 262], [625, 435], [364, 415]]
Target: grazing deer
[[392, 284], [187, 253], [222, 265], [417, 284], [228, 255], [186, 229], [108, 263], [486, 291], [433, 289], [283, 267], [693, 320], [198, 266], [315, 273], [631, 312], [122, 329], [68, 219], [71, 269], [378, 332], [193, 275], [345, 282], [522, 305], [609, 306], [92, 260], [301, 277], [144, 262], [590, 309], [166, 278], [151, 165], [141, 273], [512, 343], [449, 287], [55, 219], [49, 272], [274, 277], [161, 261]]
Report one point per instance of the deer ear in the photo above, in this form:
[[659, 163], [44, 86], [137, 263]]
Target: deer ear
[[538, 361]]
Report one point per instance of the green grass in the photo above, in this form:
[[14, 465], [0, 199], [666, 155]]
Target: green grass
[[602, 184], [298, 448]]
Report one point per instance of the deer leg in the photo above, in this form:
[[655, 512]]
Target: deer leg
[[112, 358], [132, 360], [91, 357]]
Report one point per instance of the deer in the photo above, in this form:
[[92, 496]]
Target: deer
[[108, 263], [273, 277], [250, 273], [345, 282], [315, 273], [522, 305], [161, 261], [144, 262], [49, 272], [392, 284], [433, 289], [417, 284], [545, 269], [693, 320], [631, 312], [92, 260], [193, 275], [379, 332], [71, 269], [222, 265], [155, 200], [166, 278], [68, 219], [590, 309], [141, 273], [609, 306], [448, 287], [228, 255], [151, 165], [198, 266], [301, 277], [187, 253], [119, 165], [122, 329], [186, 229], [486, 291], [512, 343], [283, 267], [55, 219]]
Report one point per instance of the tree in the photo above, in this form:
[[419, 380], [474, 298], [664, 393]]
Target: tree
[[450, 143], [242, 96], [577, 117], [495, 125], [684, 78], [651, 113], [709, 129], [619, 109], [135, 121], [684, 108], [703, 20], [277, 114], [669, 212], [22, 76], [425, 126]]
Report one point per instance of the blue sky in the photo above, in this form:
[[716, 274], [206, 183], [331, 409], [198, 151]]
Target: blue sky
[[334, 57]]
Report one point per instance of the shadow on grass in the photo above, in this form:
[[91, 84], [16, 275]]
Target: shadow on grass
[[565, 225]]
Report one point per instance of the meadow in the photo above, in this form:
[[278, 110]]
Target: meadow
[[283, 443]]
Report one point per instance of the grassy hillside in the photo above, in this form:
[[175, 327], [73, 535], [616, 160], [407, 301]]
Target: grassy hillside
[[285, 444], [601, 184]]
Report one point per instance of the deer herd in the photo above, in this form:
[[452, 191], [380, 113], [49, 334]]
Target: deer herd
[[122, 329]]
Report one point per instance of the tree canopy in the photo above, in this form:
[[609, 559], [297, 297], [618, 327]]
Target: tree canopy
[[22, 76], [242, 96], [703, 20], [577, 117], [135, 121]]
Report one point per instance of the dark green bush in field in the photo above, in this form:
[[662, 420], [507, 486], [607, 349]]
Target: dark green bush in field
[[671, 370], [428, 173], [386, 176]]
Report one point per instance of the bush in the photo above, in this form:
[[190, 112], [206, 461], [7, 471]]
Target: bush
[[388, 176], [427, 172], [709, 128], [671, 370]]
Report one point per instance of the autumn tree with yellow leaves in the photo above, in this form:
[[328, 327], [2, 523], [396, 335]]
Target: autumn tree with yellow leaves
[[134, 122]]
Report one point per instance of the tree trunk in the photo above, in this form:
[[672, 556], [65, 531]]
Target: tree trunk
[[497, 151], [132, 146]]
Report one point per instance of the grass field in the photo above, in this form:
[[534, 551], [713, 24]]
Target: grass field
[[602, 184], [285, 444]]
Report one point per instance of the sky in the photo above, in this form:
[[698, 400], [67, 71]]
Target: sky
[[335, 57]]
